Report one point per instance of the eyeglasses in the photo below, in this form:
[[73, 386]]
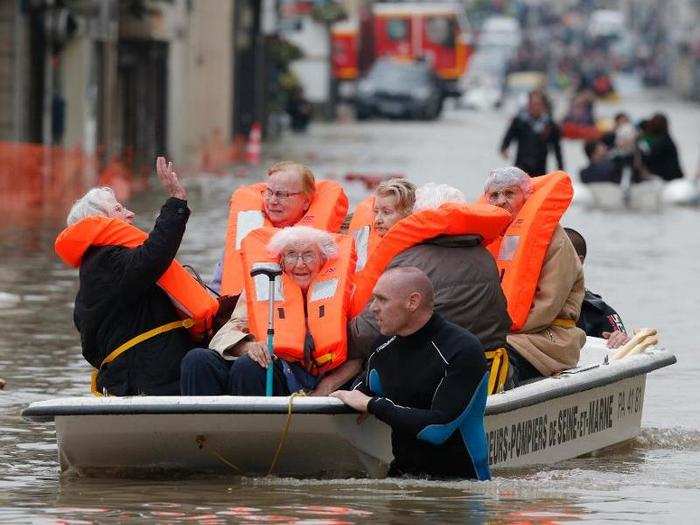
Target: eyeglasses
[[279, 195], [291, 258]]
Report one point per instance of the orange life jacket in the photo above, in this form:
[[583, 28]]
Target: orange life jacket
[[187, 295], [366, 237], [520, 252], [326, 307], [449, 219], [326, 212]]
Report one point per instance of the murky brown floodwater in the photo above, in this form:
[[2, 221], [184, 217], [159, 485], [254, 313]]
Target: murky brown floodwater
[[644, 264]]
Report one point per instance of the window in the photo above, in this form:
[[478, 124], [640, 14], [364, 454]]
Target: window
[[397, 29], [440, 31]]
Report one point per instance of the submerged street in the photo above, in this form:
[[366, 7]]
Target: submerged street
[[644, 264]]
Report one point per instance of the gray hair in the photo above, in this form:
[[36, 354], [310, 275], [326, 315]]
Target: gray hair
[[506, 177], [95, 202], [431, 196], [303, 234]]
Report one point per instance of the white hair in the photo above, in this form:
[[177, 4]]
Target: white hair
[[431, 196], [95, 202], [509, 176], [303, 234]]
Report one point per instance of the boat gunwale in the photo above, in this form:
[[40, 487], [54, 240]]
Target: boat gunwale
[[565, 389], [497, 404]]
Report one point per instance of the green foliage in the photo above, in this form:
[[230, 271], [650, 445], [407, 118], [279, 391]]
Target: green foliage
[[329, 12]]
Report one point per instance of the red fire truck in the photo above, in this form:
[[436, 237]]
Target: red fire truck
[[437, 32]]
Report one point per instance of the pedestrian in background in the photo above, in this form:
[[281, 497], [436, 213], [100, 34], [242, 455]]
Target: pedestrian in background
[[536, 134]]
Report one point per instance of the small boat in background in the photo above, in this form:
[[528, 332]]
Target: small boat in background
[[593, 406], [650, 195]]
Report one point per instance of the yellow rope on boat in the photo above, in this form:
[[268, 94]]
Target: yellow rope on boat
[[283, 437], [201, 440]]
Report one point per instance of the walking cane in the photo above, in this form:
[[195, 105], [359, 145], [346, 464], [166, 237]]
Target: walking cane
[[271, 270]]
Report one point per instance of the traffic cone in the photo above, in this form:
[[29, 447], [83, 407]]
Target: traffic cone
[[254, 148]]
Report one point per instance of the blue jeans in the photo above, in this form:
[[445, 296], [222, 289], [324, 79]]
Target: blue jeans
[[203, 372]]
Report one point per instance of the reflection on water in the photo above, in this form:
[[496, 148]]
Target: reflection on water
[[644, 264]]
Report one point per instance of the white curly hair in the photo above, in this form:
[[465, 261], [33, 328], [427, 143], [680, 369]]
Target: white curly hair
[[509, 176], [96, 201], [431, 196], [303, 234]]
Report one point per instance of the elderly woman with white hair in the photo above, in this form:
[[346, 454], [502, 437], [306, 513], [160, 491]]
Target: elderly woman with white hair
[[310, 310], [543, 281], [125, 310]]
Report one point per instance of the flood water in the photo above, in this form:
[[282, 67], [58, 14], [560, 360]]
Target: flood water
[[644, 264]]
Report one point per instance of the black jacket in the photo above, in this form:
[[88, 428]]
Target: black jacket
[[118, 299], [467, 291], [598, 317], [661, 157], [534, 137], [427, 378]]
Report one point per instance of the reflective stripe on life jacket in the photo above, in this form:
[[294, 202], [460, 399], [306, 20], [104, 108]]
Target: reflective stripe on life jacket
[[187, 295], [366, 237], [326, 212], [449, 219], [326, 305], [521, 251]]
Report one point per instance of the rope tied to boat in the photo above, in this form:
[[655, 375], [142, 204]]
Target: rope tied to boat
[[285, 431], [201, 440]]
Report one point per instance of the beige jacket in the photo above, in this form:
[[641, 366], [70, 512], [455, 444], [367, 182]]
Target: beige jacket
[[559, 295], [233, 332]]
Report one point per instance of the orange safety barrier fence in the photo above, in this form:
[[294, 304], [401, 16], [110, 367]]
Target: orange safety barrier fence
[[37, 177]]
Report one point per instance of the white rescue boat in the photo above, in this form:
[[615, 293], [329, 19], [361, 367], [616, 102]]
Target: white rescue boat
[[583, 410]]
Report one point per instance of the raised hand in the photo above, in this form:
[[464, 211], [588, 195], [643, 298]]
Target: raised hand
[[168, 178]]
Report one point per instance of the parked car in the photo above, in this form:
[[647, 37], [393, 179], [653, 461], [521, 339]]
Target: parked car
[[399, 89]]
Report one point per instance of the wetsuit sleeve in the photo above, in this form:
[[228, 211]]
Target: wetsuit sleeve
[[141, 267], [453, 394], [511, 133], [362, 383]]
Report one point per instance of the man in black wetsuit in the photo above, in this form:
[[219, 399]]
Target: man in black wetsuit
[[427, 380], [597, 318]]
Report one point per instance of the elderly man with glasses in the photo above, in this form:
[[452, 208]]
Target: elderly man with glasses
[[289, 196]]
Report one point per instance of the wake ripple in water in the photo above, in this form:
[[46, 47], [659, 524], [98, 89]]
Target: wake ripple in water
[[676, 438]]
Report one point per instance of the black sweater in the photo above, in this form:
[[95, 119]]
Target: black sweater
[[427, 378], [118, 299]]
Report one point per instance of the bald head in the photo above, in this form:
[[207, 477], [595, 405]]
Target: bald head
[[402, 301], [411, 280]]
